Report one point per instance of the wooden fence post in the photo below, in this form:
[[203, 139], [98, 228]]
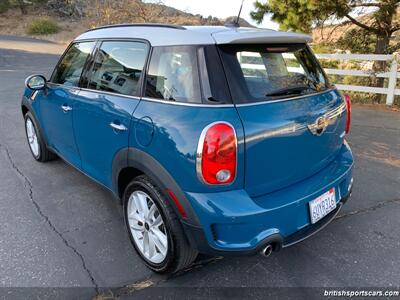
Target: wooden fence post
[[392, 82]]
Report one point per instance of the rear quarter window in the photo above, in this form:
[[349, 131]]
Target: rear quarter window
[[173, 75]]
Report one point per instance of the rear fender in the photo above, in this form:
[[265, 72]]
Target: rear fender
[[135, 158]]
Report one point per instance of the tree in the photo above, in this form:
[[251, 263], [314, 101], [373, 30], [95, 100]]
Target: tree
[[303, 15], [379, 19]]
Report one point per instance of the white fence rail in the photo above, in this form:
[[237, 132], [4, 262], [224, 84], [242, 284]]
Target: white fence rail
[[393, 75], [391, 91]]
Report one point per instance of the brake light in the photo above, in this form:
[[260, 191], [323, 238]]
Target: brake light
[[347, 99], [217, 154]]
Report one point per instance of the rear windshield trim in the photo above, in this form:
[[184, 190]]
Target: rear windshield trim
[[328, 90]]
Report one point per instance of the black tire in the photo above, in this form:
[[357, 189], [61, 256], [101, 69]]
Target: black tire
[[179, 253], [44, 154]]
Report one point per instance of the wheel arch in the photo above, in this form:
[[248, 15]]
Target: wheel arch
[[24, 109], [26, 106], [131, 162]]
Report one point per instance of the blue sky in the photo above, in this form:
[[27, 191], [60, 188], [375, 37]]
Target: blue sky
[[219, 8]]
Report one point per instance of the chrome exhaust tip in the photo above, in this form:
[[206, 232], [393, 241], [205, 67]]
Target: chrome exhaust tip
[[267, 251]]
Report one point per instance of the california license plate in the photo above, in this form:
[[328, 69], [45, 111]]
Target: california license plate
[[322, 205]]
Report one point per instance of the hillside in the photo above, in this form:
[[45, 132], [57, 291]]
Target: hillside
[[73, 20]]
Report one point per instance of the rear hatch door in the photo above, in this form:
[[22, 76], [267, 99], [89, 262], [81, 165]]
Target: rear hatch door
[[282, 145], [293, 120]]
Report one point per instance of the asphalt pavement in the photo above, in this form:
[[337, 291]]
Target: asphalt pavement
[[60, 229]]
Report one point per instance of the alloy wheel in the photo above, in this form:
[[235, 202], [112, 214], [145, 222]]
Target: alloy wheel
[[147, 227], [32, 137]]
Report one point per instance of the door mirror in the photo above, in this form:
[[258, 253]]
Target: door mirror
[[36, 82]]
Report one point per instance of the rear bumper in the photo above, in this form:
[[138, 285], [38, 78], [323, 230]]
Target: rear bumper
[[234, 223]]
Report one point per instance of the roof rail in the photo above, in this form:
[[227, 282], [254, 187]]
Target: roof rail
[[138, 25]]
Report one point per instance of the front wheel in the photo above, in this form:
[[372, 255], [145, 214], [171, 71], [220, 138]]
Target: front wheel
[[36, 143], [154, 228]]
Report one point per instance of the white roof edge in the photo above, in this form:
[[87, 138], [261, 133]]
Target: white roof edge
[[157, 36], [196, 35]]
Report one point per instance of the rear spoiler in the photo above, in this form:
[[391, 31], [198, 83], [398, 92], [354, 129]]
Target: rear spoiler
[[259, 36]]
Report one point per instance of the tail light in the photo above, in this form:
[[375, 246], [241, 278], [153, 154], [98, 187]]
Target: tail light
[[217, 154], [348, 115]]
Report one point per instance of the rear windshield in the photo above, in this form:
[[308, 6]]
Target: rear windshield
[[270, 72]]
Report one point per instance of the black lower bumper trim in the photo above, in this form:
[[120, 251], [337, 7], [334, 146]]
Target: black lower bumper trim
[[197, 240]]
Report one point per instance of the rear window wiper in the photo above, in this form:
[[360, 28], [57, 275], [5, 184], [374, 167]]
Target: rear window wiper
[[289, 91]]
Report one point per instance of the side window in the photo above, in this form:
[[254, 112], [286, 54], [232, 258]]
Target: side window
[[173, 75], [118, 67], [70, 68]]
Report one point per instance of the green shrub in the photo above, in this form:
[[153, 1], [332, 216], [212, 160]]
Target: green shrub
[[4, 6], [41, 26]]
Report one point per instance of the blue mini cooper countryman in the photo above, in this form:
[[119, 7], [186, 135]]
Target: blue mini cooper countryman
[[217, 140]]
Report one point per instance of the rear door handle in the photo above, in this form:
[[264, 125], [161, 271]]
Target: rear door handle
[[118, 127], [66, 108]]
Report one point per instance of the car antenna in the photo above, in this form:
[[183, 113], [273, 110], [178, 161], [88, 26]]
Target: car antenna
[[235, 21], [238, 17]]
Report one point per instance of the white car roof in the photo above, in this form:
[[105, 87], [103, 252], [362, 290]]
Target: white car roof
[[170, 35]]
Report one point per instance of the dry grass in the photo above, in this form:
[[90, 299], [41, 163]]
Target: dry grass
[[13, 23]]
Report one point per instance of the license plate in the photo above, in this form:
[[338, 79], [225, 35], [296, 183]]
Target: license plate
[[322, 205]]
